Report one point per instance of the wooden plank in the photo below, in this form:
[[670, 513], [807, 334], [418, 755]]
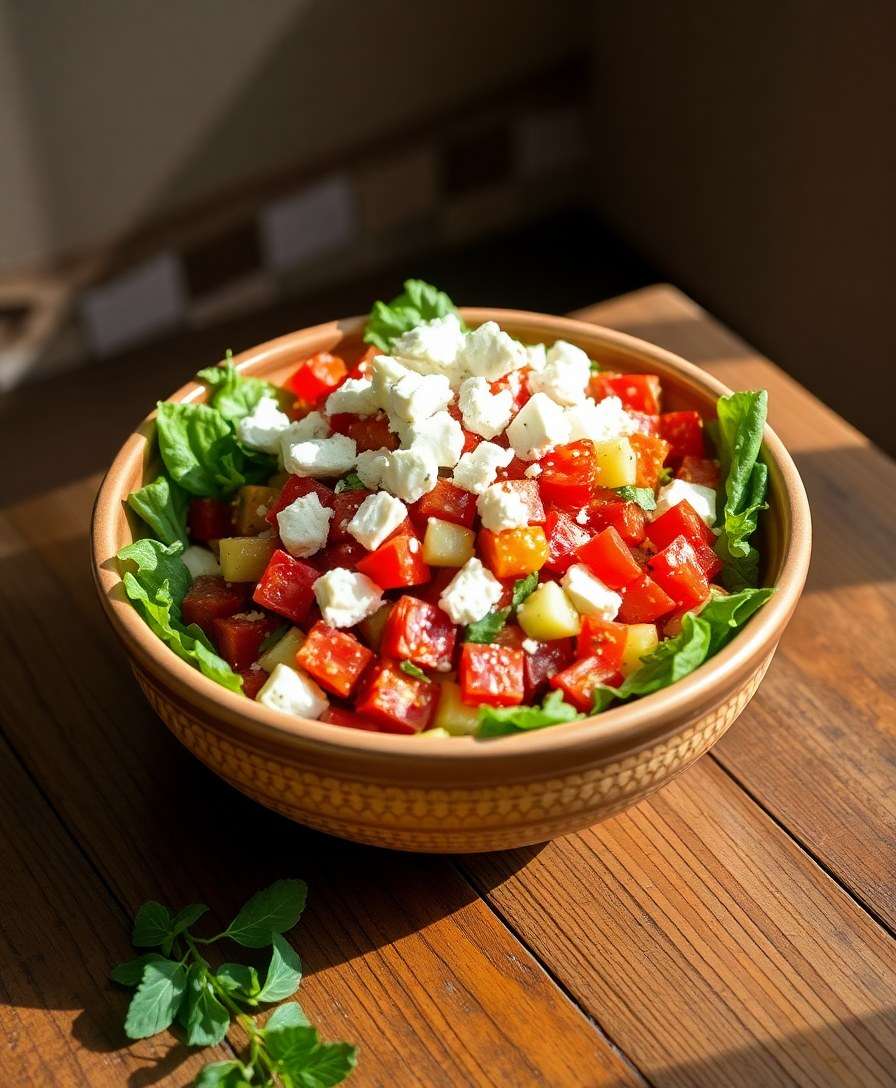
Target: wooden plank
[[817, 746], [707, 944], [400, 954]]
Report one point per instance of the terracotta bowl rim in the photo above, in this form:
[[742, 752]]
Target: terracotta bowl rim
[[623, 729]]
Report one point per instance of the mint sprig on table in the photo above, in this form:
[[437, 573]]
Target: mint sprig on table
[[177, 984]]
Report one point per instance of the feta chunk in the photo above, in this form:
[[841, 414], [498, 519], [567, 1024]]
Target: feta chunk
[[589, 595], [533, 470], [477, 469], [261, 429], [304, 525], [441, 435], [536, 356], [538, 425], [471, 593], [376, 517], [293, 692], [600, 422], [314, 425], [385, 372], [332, 456], [502, 507], [199, 561], [433, 346], [530, 645], [410, 474], [490, 353], [416, 397], [565, 374], [346, 597], [356, 395], [370, 466], [485, 413], [703, 499]]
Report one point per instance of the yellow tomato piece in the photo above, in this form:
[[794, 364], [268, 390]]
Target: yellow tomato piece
[[616, 463], [453, 714], [548, 613], [252, 503], [284, 651], [244, 558], [640, 639], [446, 544]]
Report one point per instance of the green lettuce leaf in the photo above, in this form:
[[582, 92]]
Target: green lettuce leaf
[[643, 496], [500, 721], [727, 614], [418, 302], [163, 506], [234, 395]]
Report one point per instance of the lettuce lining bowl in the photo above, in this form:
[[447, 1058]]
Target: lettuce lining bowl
[[460, 794]]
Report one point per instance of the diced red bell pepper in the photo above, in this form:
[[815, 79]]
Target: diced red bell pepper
[[369, 432], [432, 590], [680, 520], [317, 377], [644, 601], [684, 433], [362, 367], [568, 475], [396, 564], [337, 715], [398, 703], [516, 382], [344, 554], [650, 455], [294, 488], [210, 598], [640, 392], [707, 559], [627, 518], [209, 519], [602, 639], [513, 553], [699, 470], [676, 570], [516, 470], [420, 632], [607, 555], [580, 680], [253, 680], [334, 658], [564, 535], [539, 666], [239, 637], [446, 501], [491, 675], [286, 587], [345, 506]]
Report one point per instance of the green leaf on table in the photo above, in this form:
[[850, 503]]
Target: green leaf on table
[[157, 1000], [239, 980], [300, 1056], [284, 972], [223, 1075], [233, 394], [414, 670], [130, 972], [523, 587], [273, 910], [643, 496], [289, 1015], [206, 1020], [187, 917], [162, 505], [418, 302], [501, 721], [486, 629], [152, 925]]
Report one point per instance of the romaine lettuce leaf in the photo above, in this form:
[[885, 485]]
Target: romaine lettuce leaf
[[234, 395], [163, 506], [417, 303], [499, 721]]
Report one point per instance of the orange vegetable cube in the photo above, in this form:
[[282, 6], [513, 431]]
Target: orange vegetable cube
[[514, 552], [651, 453]]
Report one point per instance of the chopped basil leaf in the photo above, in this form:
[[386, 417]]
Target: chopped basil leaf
[[643, 496], [523, 587], [413, 670], [486, 629], [351, 482]]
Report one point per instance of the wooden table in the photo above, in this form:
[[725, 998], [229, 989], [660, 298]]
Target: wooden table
[[735, 930]]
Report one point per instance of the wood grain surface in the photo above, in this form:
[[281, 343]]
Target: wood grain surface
[[736, 929]]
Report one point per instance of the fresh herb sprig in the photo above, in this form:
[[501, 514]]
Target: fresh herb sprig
[[177, 984]]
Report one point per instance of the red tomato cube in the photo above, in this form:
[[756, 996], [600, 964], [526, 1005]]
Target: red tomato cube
[[644, 602], [369, 432], [210, 598], [209, 519], [491, 675], [345, 506], [253, 680], [286, 587], [396, 564], [684, 433], [602, 639], [568, 475], [398, 703], [317, 377], [681, 520], [337, 715], [543, 663], [640, 392], [420, 632], [446, 501], [344, 554], [627, 518], [334, 658], [294, 488], [564, 536], [580, 680], [432, 590], [676, 570], [607, 555], [699, 470], [239, 637]]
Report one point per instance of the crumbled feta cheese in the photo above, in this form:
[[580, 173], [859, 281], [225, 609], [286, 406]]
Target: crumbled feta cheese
[[471, 593], [313, 425], [530, 645], [200, 561], [416, 397], [413, 545], [582, 516], [384, 373], [477, 469], [441, 435], [485, 413], [538, 425], [502, 507], [376, 517], [261, 429], [564, 376], [293, 692], [409, 474], [304, 525], [600, 422], [433, 346], [370, 466], [588, 593], [332, 456], [703, 499], [489, 352], [355, 395], [533, 470], [346, 597], [536, 356]]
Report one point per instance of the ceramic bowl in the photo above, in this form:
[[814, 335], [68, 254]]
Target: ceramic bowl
[[460, 794]]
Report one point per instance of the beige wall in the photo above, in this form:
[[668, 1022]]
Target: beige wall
[[748, 151]]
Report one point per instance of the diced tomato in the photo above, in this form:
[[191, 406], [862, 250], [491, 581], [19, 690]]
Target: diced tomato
[[471, 439], [317, 377], [492, 675], [568, 475], [513, 553], [433, 589], [676, 570], [516, 382], [681, 520], [699, 470], [580, 680], [361, 368], [209, 519], [527, 492], [602, 639], [398, 703], [707, 559], [627, 518], [644, 602], [396, 564], [446, 501], [607, 555], [538, 667], [345, 506], [344, 554], [650, 454], [640, 392], [337, 715], [294, 488], [421, 632], [210, 598], [253, 680], [564, 535], [516, 470], [646, 424], [369, 432], [684, 433], [239, 637], [334, 658], [286, 587]]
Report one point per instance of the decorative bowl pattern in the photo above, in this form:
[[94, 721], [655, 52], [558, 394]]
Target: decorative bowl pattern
[[460, 795]]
